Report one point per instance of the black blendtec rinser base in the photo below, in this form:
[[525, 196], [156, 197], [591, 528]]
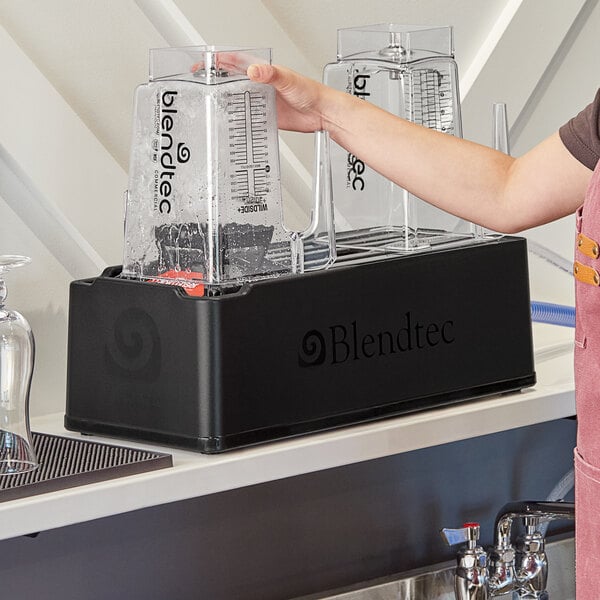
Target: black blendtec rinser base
[[298, 354]]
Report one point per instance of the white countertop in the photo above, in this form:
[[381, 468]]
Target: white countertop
[[196, 475]]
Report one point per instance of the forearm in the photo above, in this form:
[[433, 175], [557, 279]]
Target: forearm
[[469, 180], [458, 176]]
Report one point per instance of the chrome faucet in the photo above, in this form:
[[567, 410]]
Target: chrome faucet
[[521, 570]]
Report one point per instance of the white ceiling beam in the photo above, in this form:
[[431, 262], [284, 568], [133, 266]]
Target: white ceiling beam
[[503, 72], [488, 47], [171, 23], [57, 176], [540, 89], [46, 221]]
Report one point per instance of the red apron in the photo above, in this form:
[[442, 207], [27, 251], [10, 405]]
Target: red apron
[[587, 390]]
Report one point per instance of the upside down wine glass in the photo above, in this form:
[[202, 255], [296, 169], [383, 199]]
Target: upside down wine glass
[[16, 368]]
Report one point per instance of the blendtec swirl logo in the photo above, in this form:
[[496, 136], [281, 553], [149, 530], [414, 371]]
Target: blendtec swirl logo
[[343, 342], [134, 350], [313, 350]]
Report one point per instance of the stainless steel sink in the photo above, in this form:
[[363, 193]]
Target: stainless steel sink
[[437, 582]]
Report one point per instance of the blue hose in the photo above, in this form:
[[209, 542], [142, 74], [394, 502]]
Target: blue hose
[[554, 314]]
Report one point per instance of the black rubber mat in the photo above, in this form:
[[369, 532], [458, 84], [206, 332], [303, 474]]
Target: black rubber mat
[[70, 462]]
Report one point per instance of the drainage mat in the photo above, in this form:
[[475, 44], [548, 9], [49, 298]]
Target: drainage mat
[[70, 462]]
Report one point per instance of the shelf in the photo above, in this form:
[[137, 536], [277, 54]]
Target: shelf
[[195, 475]]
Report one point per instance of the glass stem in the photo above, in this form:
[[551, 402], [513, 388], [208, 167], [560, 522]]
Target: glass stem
[[3, 294]]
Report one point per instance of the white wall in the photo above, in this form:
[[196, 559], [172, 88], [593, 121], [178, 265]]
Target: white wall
[[69, 68]]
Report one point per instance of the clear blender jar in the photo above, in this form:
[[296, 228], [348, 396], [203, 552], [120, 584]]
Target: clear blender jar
[[409, 71], [204, 202]]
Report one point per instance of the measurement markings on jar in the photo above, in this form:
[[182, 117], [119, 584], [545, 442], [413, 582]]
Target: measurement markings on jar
[[239, 183], [238, 143], [260, 182], [248, 144]]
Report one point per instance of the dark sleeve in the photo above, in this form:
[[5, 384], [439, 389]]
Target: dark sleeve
[[581, 135]]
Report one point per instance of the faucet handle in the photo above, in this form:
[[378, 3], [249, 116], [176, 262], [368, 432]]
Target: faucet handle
[[471, 576], [467, 534]]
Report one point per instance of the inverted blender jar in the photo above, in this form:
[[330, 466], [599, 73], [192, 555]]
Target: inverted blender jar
[[204, 200], [410, 72]]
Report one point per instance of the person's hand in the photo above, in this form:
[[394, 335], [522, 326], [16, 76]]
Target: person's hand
[[234, 62], [300, 101]]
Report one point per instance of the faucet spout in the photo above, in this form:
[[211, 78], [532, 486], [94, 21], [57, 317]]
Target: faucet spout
[[544, 511]]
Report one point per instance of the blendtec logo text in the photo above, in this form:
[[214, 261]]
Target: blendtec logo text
[[356, 167], [170, 157], [343, 342]]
